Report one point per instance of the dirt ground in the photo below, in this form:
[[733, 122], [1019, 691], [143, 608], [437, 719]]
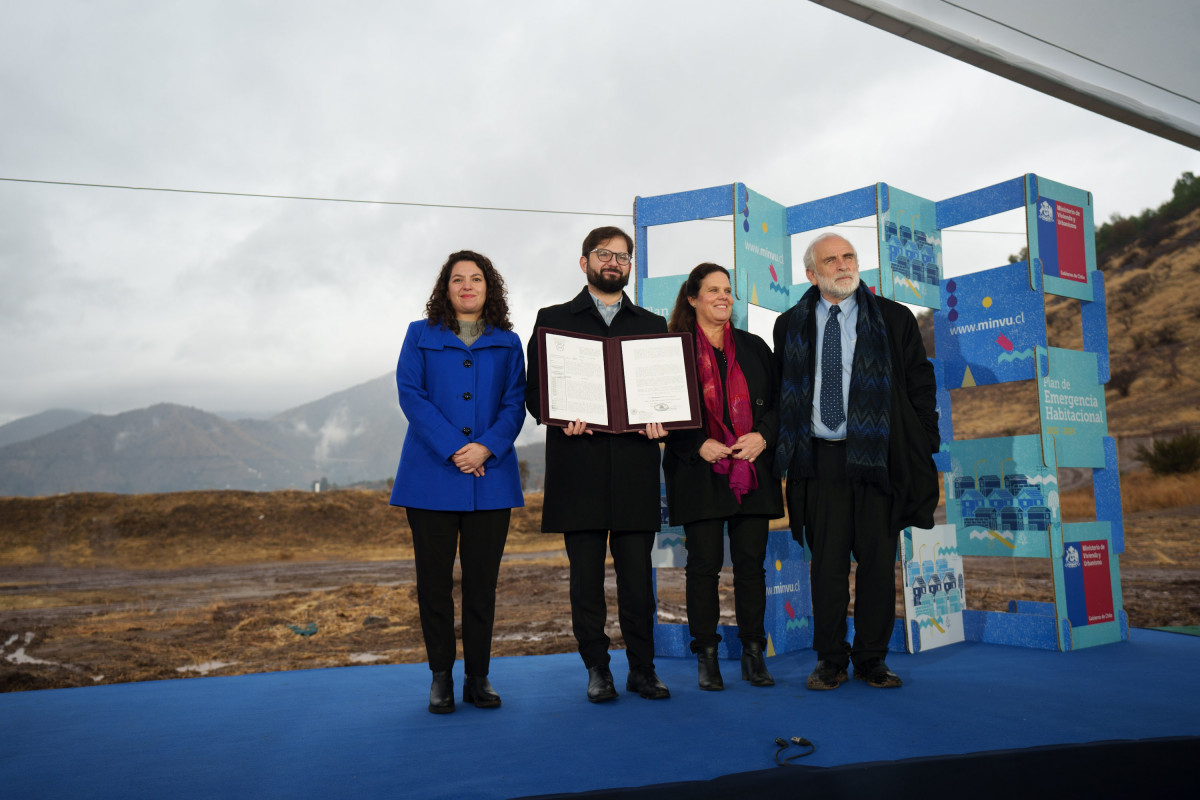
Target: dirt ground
[[86, 620]]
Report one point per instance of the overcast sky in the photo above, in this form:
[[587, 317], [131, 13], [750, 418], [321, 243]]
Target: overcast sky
[[112, 300]]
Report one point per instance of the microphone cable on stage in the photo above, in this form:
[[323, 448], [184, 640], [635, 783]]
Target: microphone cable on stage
[[796, 740]]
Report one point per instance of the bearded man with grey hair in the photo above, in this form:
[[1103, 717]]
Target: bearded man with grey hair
[[858, 430]]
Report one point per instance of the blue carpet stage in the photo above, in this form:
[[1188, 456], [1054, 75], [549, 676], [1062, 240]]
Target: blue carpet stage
[[364, 731]]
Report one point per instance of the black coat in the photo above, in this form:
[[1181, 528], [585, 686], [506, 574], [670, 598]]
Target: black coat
[[914, 437], [694, 491], [600, 481]]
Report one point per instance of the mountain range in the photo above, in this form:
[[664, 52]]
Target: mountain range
[[351, 436]]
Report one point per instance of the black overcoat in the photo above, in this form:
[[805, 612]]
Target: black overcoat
[[694, 491], [913, 437], [600, 481]]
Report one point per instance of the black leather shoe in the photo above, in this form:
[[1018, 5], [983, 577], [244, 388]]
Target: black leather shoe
[[441, 693], [876, 673], [478, 690], [753, 668], [643, 681], [826, 676], [600, 685], [709, 669]]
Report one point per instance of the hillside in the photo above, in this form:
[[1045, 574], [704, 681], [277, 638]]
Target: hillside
[[31, 427]]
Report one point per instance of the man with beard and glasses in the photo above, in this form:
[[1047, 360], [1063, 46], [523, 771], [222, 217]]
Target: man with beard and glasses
[[602, 490], [858, 430]]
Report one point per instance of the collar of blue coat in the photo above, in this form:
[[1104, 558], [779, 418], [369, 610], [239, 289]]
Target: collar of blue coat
[[439, 337]]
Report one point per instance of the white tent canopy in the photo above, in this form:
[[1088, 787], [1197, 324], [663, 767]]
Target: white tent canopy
[[1136, 63]]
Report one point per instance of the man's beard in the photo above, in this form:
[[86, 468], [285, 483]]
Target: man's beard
[[829, 287], [608, 285]]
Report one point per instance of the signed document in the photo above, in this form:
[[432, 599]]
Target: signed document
[[618, 384], [656, 380], [575, 382]]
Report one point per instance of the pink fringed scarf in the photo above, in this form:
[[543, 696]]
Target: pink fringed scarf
[[742, 475]]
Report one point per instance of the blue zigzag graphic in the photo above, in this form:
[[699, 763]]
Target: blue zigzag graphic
[[673, 541], [796, 624], [1014, 355], [783, 290]]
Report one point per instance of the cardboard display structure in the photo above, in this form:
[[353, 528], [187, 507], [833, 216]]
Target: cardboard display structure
[[1002, 496]]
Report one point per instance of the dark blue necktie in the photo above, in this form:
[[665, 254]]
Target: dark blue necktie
[[832, 412]]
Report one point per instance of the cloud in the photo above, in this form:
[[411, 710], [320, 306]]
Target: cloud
[[120, 299]]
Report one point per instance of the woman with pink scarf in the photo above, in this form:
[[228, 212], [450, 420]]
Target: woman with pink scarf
[[720, 474]]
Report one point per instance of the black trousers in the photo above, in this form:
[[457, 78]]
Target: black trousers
[[635, 594], [843, 518], [436, 537], [705, 557]]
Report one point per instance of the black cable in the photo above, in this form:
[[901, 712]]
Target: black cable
[[320, 199], [796, 740], [394, 202], [783, 744]]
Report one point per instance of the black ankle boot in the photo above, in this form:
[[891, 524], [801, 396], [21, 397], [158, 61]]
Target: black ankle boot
[[709, 669], [478, 690], [441, 693], [753, 668]]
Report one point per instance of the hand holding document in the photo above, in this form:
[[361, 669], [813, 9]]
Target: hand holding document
[[619, 384]]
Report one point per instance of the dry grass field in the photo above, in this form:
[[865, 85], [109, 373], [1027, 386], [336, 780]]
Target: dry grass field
[[113, 588]]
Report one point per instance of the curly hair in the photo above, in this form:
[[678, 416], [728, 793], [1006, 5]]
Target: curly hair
[[495, 306], [683, 316]]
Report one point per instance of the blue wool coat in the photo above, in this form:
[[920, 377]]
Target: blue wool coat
[[453, 394]]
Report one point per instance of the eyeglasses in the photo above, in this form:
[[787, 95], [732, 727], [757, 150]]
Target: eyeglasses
[[607, 255]]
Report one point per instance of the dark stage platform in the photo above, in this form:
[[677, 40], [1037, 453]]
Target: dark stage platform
[[973, 719]]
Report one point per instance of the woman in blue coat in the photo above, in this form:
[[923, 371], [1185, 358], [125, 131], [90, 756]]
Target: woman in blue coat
[[461, 379]]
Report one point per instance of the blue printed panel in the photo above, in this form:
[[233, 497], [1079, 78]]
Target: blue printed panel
[[980, 203], [941, 459], [1087, 587], [910, 248], [665, 209], [1071, 402], [762, 254], [855, 204], [1106, 488], [658, 294], [1094, 316], [988, 326], [669, 543], [788, 617], [1062, 237], [1001, 498], [935, 595]]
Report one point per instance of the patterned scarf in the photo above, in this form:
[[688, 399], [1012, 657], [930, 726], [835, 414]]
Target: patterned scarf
[[743, 477], [868, 418]]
